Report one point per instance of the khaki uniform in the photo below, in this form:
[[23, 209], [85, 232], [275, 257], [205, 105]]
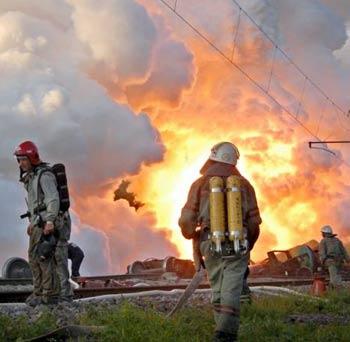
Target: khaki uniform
[[61, 256], [225, 275], [44, 275], [332, 255]]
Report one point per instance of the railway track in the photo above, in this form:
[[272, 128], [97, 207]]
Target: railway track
[[20, 296], [105, 278], [149, 275]]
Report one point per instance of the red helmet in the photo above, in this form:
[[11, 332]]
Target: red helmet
[[28, 149]]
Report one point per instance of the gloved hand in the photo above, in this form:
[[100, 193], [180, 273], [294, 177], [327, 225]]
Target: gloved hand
[[48, 228], [187, 235], [253, 234], [30, 229]]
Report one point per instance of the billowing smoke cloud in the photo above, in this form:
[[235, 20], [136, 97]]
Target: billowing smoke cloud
[[117, 34], [50, 91], [13, 231], [130, 236], [97, 259], [172, 69], [55, 12], [51, 100], [133, 55]]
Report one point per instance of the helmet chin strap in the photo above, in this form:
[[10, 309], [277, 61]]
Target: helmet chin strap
[[23, 174]]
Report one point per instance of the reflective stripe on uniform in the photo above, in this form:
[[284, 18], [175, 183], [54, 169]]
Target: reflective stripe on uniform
[[226, 309]]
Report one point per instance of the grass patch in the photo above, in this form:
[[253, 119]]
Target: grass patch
[[130, 323], [20, 328], [264, 320]]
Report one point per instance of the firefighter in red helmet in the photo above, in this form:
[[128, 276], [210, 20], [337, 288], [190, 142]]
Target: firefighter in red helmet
[[45, 225]]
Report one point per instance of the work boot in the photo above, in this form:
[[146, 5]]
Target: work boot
[[246, 295], [33, 300], [222, 336], [246, 289]]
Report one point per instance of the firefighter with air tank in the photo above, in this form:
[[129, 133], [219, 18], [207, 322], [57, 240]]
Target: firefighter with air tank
[[222, 212], [48, 229]]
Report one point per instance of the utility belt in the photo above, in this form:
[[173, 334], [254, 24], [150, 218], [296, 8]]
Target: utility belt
[[40, 208], [227, 248]]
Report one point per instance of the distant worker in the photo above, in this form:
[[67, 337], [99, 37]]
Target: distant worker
[[43, 208], [332, 255], [76, 255], [223, 206]]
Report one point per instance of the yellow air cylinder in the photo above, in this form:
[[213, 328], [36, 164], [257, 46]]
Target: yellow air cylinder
[[217, 211], [234, 209]]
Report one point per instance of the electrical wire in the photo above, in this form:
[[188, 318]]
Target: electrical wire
[[230, 60]]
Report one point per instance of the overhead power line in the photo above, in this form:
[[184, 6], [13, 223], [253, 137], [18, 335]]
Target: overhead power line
[[290, 60]]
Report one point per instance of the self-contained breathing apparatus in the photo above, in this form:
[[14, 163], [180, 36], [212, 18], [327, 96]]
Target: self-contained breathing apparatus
[[226, 219]]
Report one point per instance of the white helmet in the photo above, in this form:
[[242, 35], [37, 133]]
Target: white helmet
[[224, 152], [327, 229]]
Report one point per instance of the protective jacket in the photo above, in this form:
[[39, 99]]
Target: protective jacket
[[196, 210], [332, 249], [46, 193]]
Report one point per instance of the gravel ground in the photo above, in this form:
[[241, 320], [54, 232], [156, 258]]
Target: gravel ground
[[167, 278], [11, 288]]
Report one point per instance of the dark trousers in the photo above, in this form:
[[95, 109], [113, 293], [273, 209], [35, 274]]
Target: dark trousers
[[76, 262]]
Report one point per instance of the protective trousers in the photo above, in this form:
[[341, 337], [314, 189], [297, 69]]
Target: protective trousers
[[226, 280], [44, 275], [61, 257], [334, 268], [63, 225], [76, 262]]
